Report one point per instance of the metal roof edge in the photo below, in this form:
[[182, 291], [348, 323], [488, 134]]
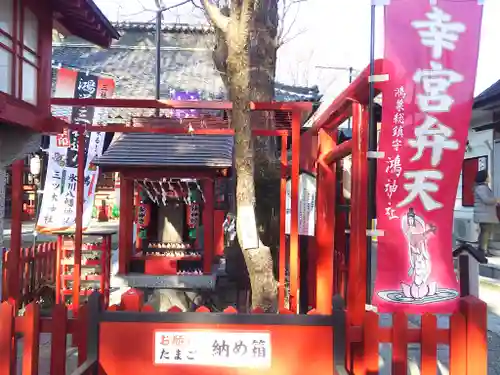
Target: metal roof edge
[[105, 21]]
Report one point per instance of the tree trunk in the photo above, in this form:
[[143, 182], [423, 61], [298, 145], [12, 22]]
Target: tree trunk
[[263, 55], [257, 256]]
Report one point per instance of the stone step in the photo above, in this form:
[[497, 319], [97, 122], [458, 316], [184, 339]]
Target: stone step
[[490, 270]]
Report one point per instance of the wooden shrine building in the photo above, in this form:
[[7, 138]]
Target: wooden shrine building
[[173, 178], [26, 29]]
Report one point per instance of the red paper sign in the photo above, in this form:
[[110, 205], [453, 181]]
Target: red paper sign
[[431, 50], [62, 140]]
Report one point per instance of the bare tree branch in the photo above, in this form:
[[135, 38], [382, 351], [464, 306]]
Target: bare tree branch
[[288, 38], [283, 31], [247, 8], [159, 6], [215, 15]]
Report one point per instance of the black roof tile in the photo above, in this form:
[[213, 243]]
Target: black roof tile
[[491, 93], [168, 150], [186, 59]]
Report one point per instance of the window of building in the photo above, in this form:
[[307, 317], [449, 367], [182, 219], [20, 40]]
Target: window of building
[[106, 181], [19, 59]]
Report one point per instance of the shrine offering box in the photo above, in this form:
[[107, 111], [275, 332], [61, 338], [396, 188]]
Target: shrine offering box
[[160, 265]]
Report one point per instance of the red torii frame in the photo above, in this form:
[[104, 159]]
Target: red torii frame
[[296, 109], [321, 152]]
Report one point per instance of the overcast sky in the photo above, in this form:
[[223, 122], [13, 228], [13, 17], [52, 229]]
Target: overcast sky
[[332, 33]]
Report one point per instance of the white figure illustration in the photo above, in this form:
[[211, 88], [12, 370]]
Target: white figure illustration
[[417, 233]]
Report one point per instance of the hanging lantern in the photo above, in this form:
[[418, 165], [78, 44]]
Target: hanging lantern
[[193, 214], [143, 215], [35, 165]]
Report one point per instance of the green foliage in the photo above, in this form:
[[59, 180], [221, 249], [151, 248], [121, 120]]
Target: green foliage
[[115, 212], [143, 234]]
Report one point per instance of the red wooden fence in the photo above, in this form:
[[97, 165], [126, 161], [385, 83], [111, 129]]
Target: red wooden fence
[[466, 338], [36, 268]]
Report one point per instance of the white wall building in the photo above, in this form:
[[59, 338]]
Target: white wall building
[[483, 145]]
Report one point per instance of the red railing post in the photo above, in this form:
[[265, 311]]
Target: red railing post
[[57, 269], [5, 272], [58, 340], [31, 331], [16, 230], [294, 214], [325, 226], [476, 314], [282, 239], [458, 344], [207, 220], [7, 333], [399, 344], [53, 265]]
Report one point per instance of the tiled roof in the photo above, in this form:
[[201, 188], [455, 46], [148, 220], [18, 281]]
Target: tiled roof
[[84, 19], [492, 92], [186, 60], [167, 150]]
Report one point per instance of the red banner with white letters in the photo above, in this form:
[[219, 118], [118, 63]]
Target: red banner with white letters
[[431, 51]]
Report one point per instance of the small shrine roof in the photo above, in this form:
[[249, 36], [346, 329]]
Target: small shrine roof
[[168, 150], [84, 19]]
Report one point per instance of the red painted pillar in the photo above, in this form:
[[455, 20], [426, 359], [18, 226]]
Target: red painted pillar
[[58, 268], [219, 216], [137, 203], [208, 225], [80, 191], [16, 231], [356, 287], [126, 223], [294, 214], [325, 227], [282, 249]]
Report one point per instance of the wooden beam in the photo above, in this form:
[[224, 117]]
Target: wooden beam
[[130, 173], [121, 128], [332, 155], [208, 225], [143, 103], [15, 111], [178, 104], [281, 106], [14, 266], [356, 91]]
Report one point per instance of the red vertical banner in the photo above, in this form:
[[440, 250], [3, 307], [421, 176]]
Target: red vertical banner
[[431, 51]]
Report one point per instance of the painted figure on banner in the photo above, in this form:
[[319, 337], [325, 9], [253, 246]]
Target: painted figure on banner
[[420, 288]]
